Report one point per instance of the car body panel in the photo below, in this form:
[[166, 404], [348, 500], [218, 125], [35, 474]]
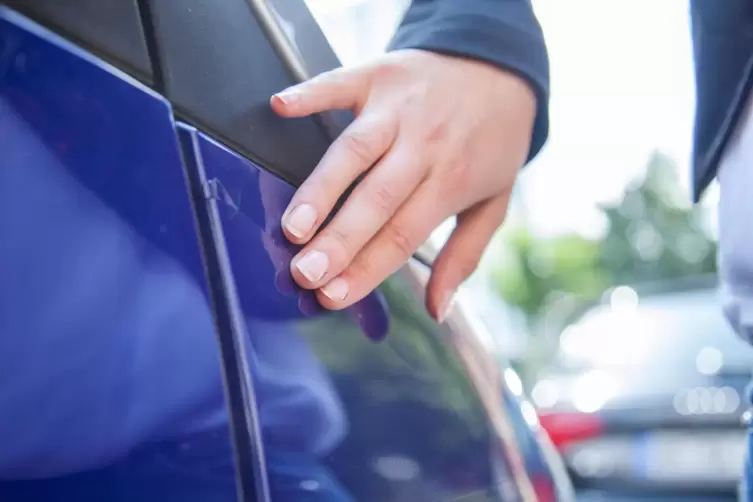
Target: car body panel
[[112, 387], [155, 347], [329, 420]]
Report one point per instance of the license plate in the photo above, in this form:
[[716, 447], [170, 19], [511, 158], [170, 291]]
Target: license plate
[[708, 457]]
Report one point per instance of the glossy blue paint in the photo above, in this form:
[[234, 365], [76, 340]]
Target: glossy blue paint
[[234, 347], [110, 382], [252, 202], [343, 419], [110, 386]]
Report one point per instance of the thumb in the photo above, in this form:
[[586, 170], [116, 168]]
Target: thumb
[[339, 89], [462, 253]]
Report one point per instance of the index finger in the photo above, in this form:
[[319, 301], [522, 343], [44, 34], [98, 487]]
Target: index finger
[[352, 153], [341, 89]]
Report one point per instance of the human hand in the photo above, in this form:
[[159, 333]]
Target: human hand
[[371, 314], [440, 136]]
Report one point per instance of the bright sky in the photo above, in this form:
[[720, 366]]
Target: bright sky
[[621, 87]]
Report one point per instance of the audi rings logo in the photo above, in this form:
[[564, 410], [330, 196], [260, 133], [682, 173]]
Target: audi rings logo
[[707, 401]]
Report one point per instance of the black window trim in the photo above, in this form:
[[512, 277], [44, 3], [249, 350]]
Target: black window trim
[[144, 74]]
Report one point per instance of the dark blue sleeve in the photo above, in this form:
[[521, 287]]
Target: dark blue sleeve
[[502, 32], [722, 41]]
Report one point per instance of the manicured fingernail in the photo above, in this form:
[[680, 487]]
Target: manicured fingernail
[[445, 307], [300, 221], [313, 265], [336, 289]]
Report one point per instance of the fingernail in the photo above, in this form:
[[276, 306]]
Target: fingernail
[[445, 307], [313, 265], [336, 289], [301, 220], [289, 95]]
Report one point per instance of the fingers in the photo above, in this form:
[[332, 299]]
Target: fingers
[[461, 254], [371, 205], [386, 252], [352, 153], [334, 90]]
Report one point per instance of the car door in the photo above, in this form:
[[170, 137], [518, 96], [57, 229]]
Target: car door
[[111, 387], [153, 344], [340, 417]]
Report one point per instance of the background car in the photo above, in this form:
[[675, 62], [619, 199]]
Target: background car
[[646, 397], [153, 345]]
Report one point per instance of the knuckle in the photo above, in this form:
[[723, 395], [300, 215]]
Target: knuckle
[[368, 270], [359, 144], [413, 101], [363, 267], [447, 192], [461, 164], [400, 238], [321, 189], [339, 243], [456, 179], [384, 199], [435, 132], [391, 69]]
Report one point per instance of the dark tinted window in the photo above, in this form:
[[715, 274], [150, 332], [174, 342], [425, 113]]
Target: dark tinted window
[[110, 28], [110, 383], [219, 70]]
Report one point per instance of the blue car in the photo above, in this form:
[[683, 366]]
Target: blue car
[[153, 346]]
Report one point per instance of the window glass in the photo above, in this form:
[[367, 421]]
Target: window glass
[[219, 70]]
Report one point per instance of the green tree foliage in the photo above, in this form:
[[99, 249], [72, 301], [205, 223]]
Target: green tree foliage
[[653, 234], [537, 269]]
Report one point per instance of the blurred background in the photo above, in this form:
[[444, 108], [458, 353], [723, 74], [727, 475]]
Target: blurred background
[[600, 288]]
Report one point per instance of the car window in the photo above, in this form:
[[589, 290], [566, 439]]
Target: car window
[[218, 63], [219, 68], [110, 382]]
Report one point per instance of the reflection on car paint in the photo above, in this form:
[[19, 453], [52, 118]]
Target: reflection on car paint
[[400, 420], [110, 387], [252, 204]]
